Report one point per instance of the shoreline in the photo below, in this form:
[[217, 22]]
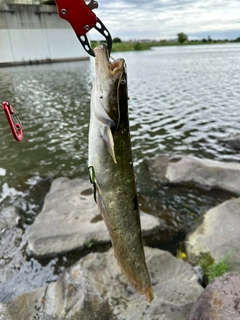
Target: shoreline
[[141, 45]]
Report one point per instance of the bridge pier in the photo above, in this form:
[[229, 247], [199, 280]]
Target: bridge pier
[[34, 33]]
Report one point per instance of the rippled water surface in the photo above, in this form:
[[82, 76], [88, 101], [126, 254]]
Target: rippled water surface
[[182, 100]]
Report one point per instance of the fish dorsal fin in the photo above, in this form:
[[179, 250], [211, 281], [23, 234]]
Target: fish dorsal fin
[[108, 140]]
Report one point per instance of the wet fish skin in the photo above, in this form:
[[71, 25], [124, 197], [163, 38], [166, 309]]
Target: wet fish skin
[[111, 157]]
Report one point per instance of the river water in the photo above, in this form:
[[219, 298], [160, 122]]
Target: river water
[[183, 99]]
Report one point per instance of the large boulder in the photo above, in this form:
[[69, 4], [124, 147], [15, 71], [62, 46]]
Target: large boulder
[[94, 288], [220, 300], [70, 220], [217, 235], [192, 171]]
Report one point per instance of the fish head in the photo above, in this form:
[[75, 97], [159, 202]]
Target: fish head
[[108, 81], [105, 69]]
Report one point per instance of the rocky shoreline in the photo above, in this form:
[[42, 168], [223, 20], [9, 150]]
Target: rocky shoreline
[[95, 288]]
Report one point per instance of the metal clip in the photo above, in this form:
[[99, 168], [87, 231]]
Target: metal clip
[[13, 120], [82, 20]]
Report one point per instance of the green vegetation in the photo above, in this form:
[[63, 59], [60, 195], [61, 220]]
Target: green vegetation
[[181, 39], [130, 46], [88, 244], [212, 269], [117, 40], [217, 269], [125, 46]]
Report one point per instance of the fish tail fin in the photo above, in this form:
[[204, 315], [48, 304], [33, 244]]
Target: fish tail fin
[[149, 294]]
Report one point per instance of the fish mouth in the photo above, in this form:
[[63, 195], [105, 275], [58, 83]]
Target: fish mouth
[[103, 65]]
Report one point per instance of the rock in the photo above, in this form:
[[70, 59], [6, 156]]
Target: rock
[[232, 141], [202, 173], [220, 300], [70, 220], [94, 288], [8, 218], [218, 233]]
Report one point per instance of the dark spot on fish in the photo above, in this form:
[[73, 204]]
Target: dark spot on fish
[[135, 202], [101, 97]]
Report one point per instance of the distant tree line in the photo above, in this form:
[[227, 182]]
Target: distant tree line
[[183, 38], [237, 39], [147, 44]]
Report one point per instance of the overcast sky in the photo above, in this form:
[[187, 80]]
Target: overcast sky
[[163, 19]]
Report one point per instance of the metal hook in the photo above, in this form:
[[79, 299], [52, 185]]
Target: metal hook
[[13, 120]]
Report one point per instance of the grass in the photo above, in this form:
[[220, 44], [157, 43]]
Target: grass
[[88, 244], [213, 269], [126, 46]]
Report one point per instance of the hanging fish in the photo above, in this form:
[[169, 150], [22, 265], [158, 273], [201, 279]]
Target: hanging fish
[[111, 168]]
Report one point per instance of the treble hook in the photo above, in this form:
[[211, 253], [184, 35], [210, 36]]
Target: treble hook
[[13, 120]]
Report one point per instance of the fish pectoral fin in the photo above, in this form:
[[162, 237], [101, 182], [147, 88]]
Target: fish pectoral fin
[[109, 142]]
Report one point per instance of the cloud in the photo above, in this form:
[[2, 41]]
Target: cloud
[[140, 19]]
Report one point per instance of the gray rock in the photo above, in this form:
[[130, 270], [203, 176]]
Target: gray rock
[[220, 300], [218, 234], [94, 288], [70, 220], [203, 173], [232, 141]]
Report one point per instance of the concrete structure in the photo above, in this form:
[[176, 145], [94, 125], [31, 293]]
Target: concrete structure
[[31, 33]]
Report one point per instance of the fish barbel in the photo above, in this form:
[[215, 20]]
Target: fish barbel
[[111, 168]]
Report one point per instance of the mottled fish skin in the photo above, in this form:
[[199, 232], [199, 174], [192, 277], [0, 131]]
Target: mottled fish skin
[[110, 156]]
